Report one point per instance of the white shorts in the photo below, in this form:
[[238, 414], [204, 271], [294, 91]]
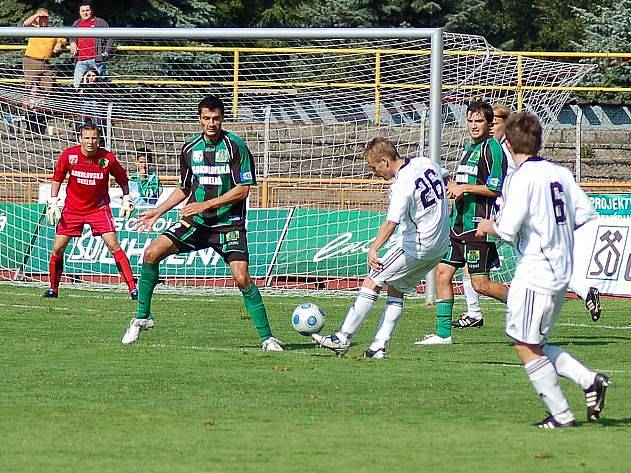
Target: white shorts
[[402, 271], [531, 315]]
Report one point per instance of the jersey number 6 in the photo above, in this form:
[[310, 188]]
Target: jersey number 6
[[558, 202]]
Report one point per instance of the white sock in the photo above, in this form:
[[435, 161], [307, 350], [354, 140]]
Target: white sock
[[387, 323], [580, 292], [569, 367], [544, 379], [473, 298], [363, 304]]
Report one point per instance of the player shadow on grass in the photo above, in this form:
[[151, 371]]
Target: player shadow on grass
[[605, 422], [592, 341], [299, 346]]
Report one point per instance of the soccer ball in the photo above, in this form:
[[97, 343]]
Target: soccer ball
[[308, 319]]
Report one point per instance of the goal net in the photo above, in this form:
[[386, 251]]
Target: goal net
[[306, 108]]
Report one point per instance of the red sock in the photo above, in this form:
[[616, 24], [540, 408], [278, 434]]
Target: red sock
[[55, 268], [124, 269]]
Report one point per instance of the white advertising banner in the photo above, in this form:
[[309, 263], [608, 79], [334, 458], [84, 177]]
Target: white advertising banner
[[602, 257]]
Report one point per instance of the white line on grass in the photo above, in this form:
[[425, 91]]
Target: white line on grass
[[599, 326], [22, 306]]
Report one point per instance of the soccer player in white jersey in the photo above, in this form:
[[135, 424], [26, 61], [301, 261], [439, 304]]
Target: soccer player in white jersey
[[418, 208], [542, 207], [473, 316]]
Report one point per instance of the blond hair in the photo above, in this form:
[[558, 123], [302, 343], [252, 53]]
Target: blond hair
[[501, 111]]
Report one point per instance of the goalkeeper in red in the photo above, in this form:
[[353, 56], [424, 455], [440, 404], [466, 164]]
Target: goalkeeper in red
[[87, 203], [216, 172]]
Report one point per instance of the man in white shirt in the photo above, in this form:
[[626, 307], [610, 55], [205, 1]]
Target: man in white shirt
[[473, 316], [418, 208], [542, 207]]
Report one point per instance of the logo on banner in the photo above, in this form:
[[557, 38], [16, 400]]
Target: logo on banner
[[608, 252]]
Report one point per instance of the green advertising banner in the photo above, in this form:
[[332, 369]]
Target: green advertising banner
[[18, 230], [89, 255], [327, 243], [611, 204]]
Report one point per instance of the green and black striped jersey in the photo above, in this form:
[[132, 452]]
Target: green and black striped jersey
[[482, 163], [211, 169]]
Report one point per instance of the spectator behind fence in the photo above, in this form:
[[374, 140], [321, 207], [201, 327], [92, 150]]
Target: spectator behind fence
[[144, 184], [93, 99], [38, 76], [91, 53]]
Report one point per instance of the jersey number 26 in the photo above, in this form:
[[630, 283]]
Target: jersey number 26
[[431, 188]]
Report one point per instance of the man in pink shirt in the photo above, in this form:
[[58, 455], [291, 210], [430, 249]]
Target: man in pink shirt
[[91, 53]]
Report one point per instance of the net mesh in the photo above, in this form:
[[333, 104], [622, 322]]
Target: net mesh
[[305, 108]]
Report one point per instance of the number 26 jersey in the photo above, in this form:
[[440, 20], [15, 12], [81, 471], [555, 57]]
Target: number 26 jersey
[[419, 206]]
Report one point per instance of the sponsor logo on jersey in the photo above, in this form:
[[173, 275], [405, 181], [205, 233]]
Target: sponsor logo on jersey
[[493, 182], [198, 156], [73, 159], [222, 156], [103, 162], [466, 169], [213, 170], [246, 176], [210, 180]]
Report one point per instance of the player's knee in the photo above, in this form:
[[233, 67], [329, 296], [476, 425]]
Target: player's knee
[[482, 285], [150, 256], [242, 280], [444, 275]]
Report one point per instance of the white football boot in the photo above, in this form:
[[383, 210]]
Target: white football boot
[[434, 339], [332, 342], [272, 344], [135, 326]]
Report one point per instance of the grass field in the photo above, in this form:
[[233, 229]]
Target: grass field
[[198, 394]]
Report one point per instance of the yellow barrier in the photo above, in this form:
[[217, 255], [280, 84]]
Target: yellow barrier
[[378, 85]]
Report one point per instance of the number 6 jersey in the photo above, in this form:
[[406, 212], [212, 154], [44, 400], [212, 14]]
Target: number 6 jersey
[[419, 206], [542, 207]]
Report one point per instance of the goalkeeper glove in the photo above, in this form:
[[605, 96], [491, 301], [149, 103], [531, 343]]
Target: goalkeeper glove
[[126, 208], [53, 213]]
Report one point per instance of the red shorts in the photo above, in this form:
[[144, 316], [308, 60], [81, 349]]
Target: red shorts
[[101, 221]]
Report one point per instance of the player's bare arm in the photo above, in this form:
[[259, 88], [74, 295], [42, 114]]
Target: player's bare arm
[[383, 235], [233, 195], [148, 218], [456, 191]]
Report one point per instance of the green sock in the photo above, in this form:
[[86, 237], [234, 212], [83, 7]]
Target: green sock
[[146, 284], [256, 309], [444, 309]]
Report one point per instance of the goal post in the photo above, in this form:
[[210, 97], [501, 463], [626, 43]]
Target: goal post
[[306, 101]]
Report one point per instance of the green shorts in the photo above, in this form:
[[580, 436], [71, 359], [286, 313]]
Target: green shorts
[[479, 256], [231, 245]]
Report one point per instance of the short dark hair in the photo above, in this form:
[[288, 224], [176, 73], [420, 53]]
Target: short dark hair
[[482, 107], [89, 125], [210, 102], [379, 147], [144, 151], [86, 3], [524, 133]]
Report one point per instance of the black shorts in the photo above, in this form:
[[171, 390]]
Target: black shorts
[[479, 256], [231, 245]]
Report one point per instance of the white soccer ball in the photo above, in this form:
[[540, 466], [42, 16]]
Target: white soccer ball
[[308, 319]]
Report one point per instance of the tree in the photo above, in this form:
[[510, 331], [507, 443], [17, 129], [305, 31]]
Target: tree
[[608, 29]]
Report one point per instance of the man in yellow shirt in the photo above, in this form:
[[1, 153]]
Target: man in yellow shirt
[[38, 77]]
